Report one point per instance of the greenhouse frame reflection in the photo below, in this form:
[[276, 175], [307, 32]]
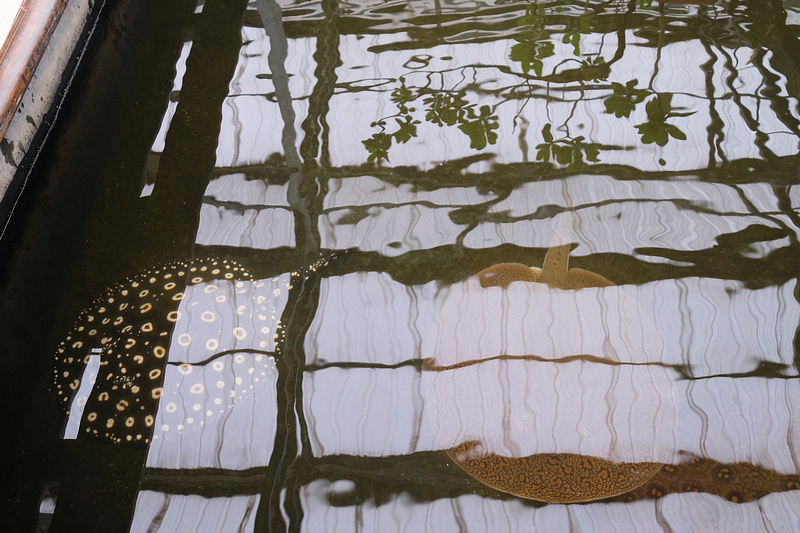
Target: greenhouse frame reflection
[[480, 206], [369, 159]]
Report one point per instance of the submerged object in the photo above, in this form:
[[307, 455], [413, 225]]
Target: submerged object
[[547, 383], [110, 368]]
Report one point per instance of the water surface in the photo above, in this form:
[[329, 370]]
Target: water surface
[[361, 161]]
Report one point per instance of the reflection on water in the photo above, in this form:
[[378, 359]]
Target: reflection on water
[[563, 405], [432, 140]]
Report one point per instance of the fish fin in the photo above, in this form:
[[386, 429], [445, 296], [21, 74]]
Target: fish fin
[[555, 267], [502, 274], [578, 278]]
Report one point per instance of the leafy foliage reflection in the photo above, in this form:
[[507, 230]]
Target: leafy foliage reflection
[[535, 48]]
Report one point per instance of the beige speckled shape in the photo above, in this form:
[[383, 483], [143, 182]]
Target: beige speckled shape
[[552, 478]]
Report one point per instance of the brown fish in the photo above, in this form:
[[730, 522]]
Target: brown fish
[[548, 477]]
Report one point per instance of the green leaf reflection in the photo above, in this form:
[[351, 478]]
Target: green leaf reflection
[[571, 153], [479, 127], [378, 146], [443, 107], [625, 98], [657, 129], [534, 43]]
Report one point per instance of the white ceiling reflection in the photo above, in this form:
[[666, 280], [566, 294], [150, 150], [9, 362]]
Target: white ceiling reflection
[[369, 317], [471, 513], [179, 513], [245, 213], [714, 327]]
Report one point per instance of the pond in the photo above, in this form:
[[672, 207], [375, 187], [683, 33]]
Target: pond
[[414, 266]]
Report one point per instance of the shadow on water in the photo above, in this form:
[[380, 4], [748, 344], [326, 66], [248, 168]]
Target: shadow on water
[[287, 211]]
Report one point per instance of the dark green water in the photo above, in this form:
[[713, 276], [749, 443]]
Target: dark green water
[[361, 161]]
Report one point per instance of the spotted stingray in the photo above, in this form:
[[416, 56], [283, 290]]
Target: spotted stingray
[[477, 404], [125, 333]]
